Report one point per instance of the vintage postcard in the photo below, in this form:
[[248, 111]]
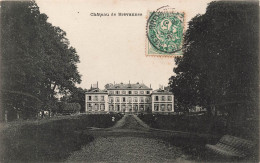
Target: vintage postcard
[[129, 81]]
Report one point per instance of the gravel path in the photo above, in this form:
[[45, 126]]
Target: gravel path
[[130, 122], [129, 140], [127, 149]]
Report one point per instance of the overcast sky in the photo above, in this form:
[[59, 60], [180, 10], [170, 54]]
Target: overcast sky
[[113, 48]]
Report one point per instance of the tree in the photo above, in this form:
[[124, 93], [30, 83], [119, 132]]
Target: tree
[[108, 85], [219, 67], [77, 95], [36, 59]]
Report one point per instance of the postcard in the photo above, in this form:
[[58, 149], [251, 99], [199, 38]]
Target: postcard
[[129, 81]]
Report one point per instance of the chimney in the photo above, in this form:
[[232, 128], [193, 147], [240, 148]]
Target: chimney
[[114, 82], [129, 81], [150, 86], [91, 86], [97, 84]]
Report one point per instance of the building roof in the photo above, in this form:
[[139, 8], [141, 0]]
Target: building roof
[[96, 90], [162, 91], [137, 86]]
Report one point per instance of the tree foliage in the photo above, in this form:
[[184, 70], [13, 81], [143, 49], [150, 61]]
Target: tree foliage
[[70, 107], [37, 60], [77, 95], [219, 67]]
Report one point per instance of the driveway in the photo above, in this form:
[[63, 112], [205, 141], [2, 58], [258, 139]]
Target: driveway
[[129, 140], [127, 149]]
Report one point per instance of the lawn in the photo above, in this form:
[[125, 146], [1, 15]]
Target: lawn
[[50, 140], [194, 124], [204, 133]]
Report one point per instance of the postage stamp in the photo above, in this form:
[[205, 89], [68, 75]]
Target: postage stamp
[[164, 32]]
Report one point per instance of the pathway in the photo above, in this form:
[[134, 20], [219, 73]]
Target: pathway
[[127, 149], [129, 140]]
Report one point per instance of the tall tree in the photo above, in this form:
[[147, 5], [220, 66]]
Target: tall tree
[[219, 68], [36, 58]]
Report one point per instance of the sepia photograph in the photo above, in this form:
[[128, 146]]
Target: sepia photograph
[[129, 81]]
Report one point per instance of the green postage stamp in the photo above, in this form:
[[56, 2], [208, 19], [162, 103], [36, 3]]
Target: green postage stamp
[[164, 33]]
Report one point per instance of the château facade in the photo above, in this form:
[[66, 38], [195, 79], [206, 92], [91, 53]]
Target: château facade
[[129, 98]]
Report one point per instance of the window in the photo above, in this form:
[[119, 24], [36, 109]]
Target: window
[[135, 99], [141, 108], [163, 98], [123, 99], [141, 99], [147, 99], [156, 98], [162, 107], [156, 107], [102, 107], [146, 108], [89, 107], [123, 108], [129, 92], [147, 92], [111, 107], [124, 92], [169, 98], [142, 92], [130, 108], [117, 107], [136, 92], [96, 98], [89, 98], [129, 99], [135, 107], [111, 92], [117, 92], [96, 107], [102, 98], [169, 107], [111, 99], [117, 99]]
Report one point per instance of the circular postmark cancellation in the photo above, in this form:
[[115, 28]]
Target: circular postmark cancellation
[[165, 30]]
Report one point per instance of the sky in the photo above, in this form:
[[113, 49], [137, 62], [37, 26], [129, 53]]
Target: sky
[[112, 49]]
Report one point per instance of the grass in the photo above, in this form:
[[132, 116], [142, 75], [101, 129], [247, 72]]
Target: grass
[[199, 125], [50, 141], [194, 124]]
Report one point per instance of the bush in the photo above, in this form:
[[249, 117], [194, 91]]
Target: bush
[[68, 108]]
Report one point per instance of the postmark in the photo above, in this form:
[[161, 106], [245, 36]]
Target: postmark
[[164, 31]]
